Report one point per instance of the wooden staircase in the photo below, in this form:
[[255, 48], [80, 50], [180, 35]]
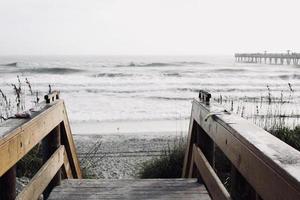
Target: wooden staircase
[[167, 189], [257, 165]]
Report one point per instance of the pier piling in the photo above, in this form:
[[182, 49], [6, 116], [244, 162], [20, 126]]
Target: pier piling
[[268, 58]]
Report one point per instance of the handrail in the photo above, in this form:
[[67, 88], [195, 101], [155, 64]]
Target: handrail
[[19, 136], [260, 162]]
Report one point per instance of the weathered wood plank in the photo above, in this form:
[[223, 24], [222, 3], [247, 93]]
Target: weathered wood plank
[[254, 152], [23, 138], [51, 97], [188, 153], [19, 136], [68, 141], [50, 144], [130, 189], [67, 171], [210, 178], [40, 181]]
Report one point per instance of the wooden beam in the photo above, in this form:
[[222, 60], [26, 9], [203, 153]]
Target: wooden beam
[[40, 181], [53, 96], [18, 142], [67, 172], [213, 183], [268, 164], [49, 145], [68, 141], [189, 149], [20, 136]]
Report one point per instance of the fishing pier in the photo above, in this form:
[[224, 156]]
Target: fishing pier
[[268, 58], [222, 148]]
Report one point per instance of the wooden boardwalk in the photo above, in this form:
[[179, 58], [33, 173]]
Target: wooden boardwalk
[[167, 189]]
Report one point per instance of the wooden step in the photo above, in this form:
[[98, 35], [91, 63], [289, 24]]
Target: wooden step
[[89, 189]]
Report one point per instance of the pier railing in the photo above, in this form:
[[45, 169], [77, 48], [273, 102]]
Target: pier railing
[[49, 126], [271, 58], [236, 159]]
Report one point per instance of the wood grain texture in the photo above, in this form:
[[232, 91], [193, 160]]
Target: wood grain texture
[[68, 141], [40, 181], [23, 137], [19, 136], [130, 189], [271, 166], [210, 178]]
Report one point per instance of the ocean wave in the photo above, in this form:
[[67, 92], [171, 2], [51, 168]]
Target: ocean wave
[[111, 75], [191, 63], [170, 98], [14, 64], [110, 91], [228, 70], [172, 74], [187, 89], [292, 76], [52, 70], [154, 64]]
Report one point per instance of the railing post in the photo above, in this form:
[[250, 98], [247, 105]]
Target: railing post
[[203, 140], [50, 144], [8, 184]]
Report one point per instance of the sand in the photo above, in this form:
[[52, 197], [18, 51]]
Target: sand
[[119, 156]]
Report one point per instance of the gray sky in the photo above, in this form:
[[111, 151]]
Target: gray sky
[[148, 26]]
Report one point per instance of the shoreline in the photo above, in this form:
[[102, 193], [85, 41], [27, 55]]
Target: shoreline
[[131, 127]]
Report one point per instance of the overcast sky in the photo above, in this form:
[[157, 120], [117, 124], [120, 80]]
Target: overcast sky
[[148, 26]]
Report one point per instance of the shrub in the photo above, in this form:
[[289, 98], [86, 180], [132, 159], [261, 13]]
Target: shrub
[[169, 165], [288, 135], [31, 163]]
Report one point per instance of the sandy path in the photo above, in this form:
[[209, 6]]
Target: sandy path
[[119, 156]]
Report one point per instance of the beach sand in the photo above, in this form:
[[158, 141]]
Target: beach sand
[[119, 156]]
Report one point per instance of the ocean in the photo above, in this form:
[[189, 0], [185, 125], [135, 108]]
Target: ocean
[[152, 94]]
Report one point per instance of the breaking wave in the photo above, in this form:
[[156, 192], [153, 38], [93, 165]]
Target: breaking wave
[[111, 75], [154, 64], [15, 64], [287, 77], [228, 70], [53, 70]]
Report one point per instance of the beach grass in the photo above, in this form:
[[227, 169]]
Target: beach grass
[[169, 165]]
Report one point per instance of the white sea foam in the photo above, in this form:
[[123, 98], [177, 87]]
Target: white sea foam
[[103, 89]]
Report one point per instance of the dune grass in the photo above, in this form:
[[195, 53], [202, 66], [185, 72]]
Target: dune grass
[[169, 165], [291, 136]]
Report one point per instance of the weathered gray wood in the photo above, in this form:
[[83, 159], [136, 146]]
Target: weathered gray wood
[[130, 189], [211, 180], [19, 136], [188, 153], [255, 153], [51, 97], [50, 144], [43, 177]]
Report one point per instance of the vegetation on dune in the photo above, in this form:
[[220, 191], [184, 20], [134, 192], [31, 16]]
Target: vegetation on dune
[[169, 165], [275, 109], [266, 112], [290, 136], [31, 163]]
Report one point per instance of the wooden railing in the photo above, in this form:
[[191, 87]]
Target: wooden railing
[[18, 136], [252, 163]]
